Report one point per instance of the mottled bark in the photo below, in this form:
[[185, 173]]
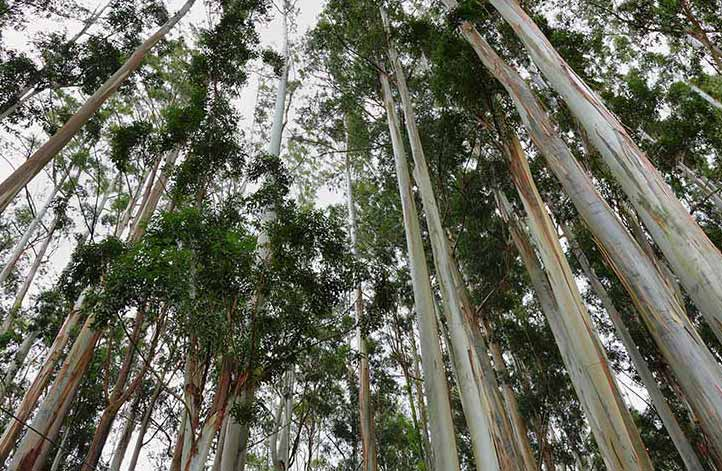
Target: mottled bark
[[611, 423], [684, 447], [42, 379]]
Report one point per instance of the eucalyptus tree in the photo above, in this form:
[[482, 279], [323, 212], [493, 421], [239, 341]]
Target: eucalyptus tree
[[687, 248], [40, 158]]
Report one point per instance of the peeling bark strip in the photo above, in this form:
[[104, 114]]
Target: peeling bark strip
[[654, 299], [684, 447], [31, 167], [584, 357], [693, 257], [33, 449], [443, 441]]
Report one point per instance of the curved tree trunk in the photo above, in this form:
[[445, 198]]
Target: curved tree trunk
[[443, 441], [693, 257], [666, 320], [31, 167]]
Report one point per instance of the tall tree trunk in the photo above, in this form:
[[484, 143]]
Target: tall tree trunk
[[693, 257], [423, 414], [709, 190], [32, 88], [584, 356], [124, 440], [143, 428], [517, 421], [666, 320], [120, 394], [684, 447], [368, 439], [151, 202], [147, 183], [21, 244], [33, 393], [237, 457], [476, 404], [31, 167], [20, 355], [31, 452], [443, 441], [60, 453], [29, 277]]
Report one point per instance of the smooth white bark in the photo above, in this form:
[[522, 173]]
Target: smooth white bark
[[437, 390], [693, 257], [475, 402], [655, 300], [21, 244]]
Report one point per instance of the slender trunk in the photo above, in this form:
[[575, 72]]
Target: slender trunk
[[655, 301], [424, 415], [143, 428], [126, 434], [153, 198], [474, 398], [28, 403], [709, 190], [60, 453], [583, 354], [147, 183], [443, 440], [693, 257], [368, 439], [31, 167], [29, 277], [120, 394], [32, 450], [684, 447], [503, 433], [221, 442], [705, 96], [518, 424], [32, 89], [18, 360], [21, 244]]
